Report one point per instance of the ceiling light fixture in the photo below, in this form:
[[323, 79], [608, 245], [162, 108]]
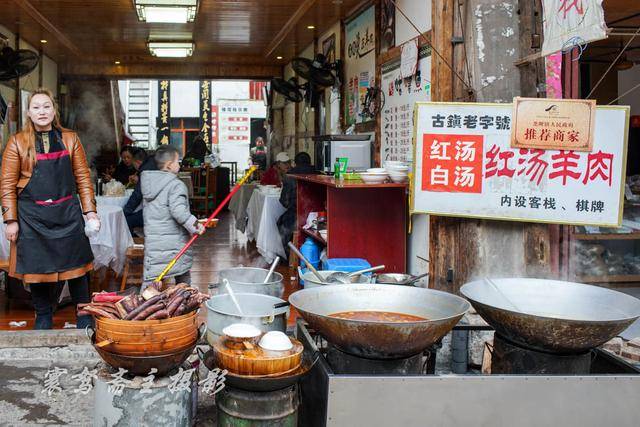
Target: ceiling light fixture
[[43, 41], [278, 57], [117, 62], [311, 27], [171, 49], [166, 11]]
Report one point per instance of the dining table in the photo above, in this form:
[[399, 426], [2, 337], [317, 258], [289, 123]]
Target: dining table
[[263, 210]]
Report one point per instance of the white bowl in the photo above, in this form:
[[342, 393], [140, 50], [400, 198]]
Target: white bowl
[[398, 179], [373, 178], [241, 330], [377, 170], [396, 164], [275, 341]]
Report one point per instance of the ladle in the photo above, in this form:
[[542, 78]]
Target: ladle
[[309, 265], [346, 278], [273, 267], [232, 295]]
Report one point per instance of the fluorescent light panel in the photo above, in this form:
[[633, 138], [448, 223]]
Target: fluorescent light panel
[[166, 11], [171, 50]]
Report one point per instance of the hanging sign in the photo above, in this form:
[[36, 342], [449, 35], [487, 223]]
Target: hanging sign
[[164, 126], [464, 166], [360, 64], [205, 111], [214, 124], [396, 120], [568, 23], [561, 124]]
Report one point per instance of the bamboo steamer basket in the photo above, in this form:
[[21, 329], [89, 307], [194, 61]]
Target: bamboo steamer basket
[[146, 337], [257, 361]]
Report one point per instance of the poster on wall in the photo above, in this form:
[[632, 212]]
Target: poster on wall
[[164, 127], [387, 25], [360, 64], [234, 122], [466, 167], [397, 114]]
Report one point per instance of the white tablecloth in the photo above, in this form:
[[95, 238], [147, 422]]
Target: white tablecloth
[[263, 212], [114, 200], [109, 247]]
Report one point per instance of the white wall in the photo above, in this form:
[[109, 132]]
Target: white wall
[[185, 98], [229, 89], [626, 80], [419, 11]]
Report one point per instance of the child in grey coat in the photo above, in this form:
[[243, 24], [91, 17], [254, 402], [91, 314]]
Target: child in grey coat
[[168, 222]]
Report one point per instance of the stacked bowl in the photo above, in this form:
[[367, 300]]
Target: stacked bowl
[[398, 171], [374, 176]]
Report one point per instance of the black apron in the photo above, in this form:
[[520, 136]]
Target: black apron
[[51, 235]]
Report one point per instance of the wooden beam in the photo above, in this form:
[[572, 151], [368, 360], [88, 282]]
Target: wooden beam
[[34, 13], [289, 26], [171, 70], [442, 14]]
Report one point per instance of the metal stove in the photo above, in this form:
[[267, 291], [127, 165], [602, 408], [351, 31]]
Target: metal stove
[[345, 390]]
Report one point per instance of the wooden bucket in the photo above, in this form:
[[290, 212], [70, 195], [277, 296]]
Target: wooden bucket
[[146, 337], [258, 361]]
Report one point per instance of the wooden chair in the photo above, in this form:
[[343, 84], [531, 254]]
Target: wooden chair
[[133, 265], [204, 190]]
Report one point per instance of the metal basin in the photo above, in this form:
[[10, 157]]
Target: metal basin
[[257, 311], [250, 280], [379, 340], [311, 281], [551, 315]]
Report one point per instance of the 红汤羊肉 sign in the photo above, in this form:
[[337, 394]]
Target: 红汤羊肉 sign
[[464, 166]]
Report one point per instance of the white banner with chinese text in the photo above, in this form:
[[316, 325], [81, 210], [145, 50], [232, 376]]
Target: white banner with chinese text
[[464, 166], [568, 23]]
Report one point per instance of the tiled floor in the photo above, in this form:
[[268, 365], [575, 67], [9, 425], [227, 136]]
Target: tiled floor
[[220, 248]]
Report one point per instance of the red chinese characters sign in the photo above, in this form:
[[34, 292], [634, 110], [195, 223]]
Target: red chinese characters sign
[[453, 163], [465, 166]]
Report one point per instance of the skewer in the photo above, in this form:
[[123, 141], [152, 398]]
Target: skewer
[[235, 189]]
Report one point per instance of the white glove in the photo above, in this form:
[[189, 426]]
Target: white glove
[[91, 228]]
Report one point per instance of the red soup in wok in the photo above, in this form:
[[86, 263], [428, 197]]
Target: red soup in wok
[[377, 316]]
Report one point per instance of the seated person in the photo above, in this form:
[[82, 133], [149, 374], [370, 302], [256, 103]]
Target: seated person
[[287, 221], [141, 162], [168, 222], [125, 171], [198, 150], [273, 176]]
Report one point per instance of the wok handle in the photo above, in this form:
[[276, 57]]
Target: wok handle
[[366, 270], [282, 304], [86, 331]]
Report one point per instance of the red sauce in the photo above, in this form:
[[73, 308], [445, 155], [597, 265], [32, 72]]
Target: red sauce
[[378, 316]]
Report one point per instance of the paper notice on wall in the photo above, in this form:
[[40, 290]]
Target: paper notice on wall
[[569, 23], [396, 124]]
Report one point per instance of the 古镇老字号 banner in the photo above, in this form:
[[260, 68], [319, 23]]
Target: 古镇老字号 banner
[[464, 166]]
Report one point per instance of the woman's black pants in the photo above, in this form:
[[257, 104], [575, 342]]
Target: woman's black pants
[[43, 295]]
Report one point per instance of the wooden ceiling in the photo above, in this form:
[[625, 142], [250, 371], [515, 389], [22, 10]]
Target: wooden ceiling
[[233, 38]]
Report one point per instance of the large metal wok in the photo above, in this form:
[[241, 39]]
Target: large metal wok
[[550, 315], [379, 340]]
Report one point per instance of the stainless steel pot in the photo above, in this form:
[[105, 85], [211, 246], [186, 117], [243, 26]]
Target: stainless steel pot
[[258, 310], [249, 280], [311, 281]]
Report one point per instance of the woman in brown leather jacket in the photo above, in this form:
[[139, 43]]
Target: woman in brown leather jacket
[[44, 168]]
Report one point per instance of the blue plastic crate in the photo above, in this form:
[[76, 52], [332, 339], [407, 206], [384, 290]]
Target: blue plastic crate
[[347, 265]]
